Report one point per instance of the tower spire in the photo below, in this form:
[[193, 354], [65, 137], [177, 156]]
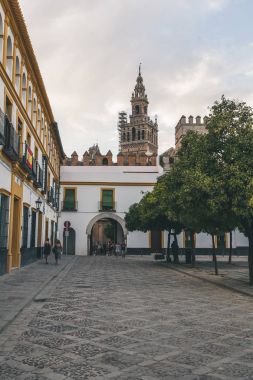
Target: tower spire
[[140, 69]]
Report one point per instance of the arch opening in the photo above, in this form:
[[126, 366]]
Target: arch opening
[[103, 231]]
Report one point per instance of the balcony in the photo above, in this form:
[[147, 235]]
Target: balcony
[[10, 139], [2, 134], [69, 205], [50, 196], [27, 161], [38, 181], [107, 207]]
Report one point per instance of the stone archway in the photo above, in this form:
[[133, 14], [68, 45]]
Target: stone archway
[[104, 215]]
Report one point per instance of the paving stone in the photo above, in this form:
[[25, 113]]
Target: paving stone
[[128, 320]]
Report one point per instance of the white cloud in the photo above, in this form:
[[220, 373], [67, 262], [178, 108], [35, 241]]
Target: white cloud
[[89, 52]]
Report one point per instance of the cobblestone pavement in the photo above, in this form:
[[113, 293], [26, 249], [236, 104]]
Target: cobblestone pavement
[[234, 276], [130, 319]]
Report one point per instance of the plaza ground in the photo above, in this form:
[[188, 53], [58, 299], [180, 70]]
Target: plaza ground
[[109, 318]]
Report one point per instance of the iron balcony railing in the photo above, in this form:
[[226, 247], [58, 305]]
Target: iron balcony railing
[[38, 181], [106, 206], [2, 133], [69, 205], [50, 196], [10, 139]]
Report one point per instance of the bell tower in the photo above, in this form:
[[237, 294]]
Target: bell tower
[[139, 136]]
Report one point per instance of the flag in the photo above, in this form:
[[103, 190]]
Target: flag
[[29, 158]]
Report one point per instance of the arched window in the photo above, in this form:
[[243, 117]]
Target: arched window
[[17, 79], [9, 56], [143, 134], [24, 88], [128, 136], [139, 135], [38, 122], [42, 130], [30, 101], [1, 37], [105, 161], [133, 134], [137, 109], [124, 137], [34, 112], [145, 110]]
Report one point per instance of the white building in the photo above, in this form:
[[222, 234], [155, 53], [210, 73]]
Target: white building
[[91, 194]]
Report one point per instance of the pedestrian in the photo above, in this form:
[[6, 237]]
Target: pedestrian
[[123, 250], [117, 249], [47, 249], [57, 250]]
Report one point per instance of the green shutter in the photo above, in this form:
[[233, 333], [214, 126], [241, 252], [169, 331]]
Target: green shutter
[[107, 199], [69, 201]]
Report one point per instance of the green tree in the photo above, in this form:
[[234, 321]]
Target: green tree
[[230, 134], [149, 215], [194, 190]]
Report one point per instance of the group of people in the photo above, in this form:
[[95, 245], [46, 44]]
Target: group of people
[[56, 249], [110, 249]]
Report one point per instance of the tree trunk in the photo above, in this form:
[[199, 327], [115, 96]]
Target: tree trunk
[[176, 259], [230, 246], [193, 248], [168, 248], [214, 256], [250, 257]]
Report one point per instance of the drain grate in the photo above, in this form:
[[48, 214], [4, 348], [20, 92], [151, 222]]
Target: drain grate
[[83, 286], [40, 299]]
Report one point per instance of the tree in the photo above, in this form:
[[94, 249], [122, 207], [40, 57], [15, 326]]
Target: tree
[[149, 215], [231, 135], [194, 190]]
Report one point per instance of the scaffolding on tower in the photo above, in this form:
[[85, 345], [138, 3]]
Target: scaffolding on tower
[[122, 122]]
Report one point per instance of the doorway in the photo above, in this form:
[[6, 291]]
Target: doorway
[[104, 231], [156, 241], [15, 243]]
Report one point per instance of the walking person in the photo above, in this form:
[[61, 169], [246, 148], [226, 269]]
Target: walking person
[[57, 250], [123, 250], [117, 249], [47, 250]]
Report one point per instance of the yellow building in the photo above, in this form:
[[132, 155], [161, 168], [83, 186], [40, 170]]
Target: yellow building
[[30, 147]]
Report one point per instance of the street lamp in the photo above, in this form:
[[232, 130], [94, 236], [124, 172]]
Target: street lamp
[[38, 204]]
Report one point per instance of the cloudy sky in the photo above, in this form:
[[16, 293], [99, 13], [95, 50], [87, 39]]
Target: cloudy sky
[[192, 52]]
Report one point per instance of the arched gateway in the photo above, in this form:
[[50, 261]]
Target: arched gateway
[[102, 217]]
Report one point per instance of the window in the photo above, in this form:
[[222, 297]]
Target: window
[[9, 56], [189, 239], [8, 107], [45, 172], [36, 153], [33, 229], [20, 134], [137, 110], [69, 202], [17, 79], [107, 199], [4, 220], [24, 88], [133, 134], [25, 227], [105, 161], [221, 241], [143, 134], [28, 140]]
